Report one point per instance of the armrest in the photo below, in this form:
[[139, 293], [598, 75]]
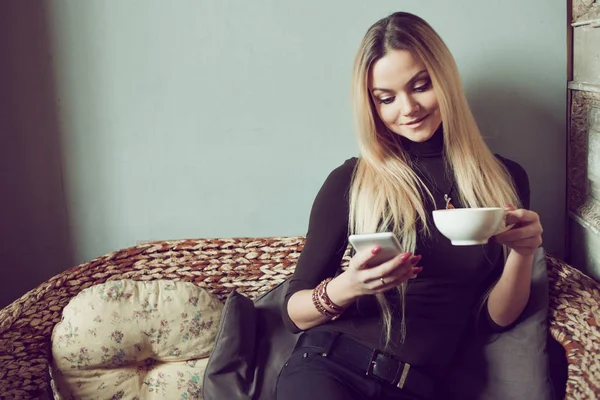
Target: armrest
[[574, 317]]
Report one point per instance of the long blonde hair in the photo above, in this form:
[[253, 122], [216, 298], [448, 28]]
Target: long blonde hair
[[385, 191]]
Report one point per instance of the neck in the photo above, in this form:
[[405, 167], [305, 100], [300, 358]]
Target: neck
[[432, 147]]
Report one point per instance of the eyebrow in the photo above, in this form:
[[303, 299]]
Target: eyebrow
[[412, 80]]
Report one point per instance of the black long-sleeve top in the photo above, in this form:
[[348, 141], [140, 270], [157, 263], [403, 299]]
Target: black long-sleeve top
[[443, 298]]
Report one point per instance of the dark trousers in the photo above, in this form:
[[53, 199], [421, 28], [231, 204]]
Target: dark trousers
[[309, 376]]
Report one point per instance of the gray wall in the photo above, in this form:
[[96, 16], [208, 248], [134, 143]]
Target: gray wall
[[222, 118]]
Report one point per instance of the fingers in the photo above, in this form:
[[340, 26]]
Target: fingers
[[522, 216], [384, 269], [516, 234], [526, 236], [380, 278], [394, 283], [360, 259], [403, 275], [520, 233], [395, 279], [395, 267], [530, 243], [527, 224], [406, 270], [391, 273]]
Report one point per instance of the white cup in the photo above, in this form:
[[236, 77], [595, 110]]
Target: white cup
[[470, 226]]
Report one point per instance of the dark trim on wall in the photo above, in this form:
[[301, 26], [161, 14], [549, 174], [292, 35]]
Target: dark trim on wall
[[569, 40], [569, 49]]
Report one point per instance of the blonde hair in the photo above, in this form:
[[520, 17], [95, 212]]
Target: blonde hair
[[385, 191]]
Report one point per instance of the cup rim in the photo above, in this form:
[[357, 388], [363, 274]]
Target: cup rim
[[473, 209]]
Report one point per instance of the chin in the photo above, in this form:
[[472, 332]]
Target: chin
[[421, 135]]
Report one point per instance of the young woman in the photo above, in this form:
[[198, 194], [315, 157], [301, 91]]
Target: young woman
[[389, 331]]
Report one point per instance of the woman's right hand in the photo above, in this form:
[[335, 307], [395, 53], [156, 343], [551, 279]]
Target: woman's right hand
[[362, 279], [358, 280]]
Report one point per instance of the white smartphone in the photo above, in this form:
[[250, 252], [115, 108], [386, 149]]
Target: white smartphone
[[390, 247]]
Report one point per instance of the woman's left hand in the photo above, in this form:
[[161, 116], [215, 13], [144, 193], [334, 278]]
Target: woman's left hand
[[526, 236]]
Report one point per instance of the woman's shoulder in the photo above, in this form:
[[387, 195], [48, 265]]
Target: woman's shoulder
[[344, 171], [514, 168], [519, 177], [338, 181], [348, 165]]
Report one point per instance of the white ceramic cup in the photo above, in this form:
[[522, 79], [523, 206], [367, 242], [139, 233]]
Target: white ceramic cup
[[470, 226]]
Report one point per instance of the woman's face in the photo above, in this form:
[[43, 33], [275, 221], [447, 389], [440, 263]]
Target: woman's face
[[403, 95]]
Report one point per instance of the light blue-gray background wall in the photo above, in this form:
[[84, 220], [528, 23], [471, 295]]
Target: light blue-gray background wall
[[214, 118]]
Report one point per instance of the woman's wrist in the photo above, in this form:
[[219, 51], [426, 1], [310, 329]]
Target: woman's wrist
[[519, 258], [340, 292]]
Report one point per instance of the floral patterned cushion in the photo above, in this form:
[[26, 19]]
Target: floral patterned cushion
[[135, 340]]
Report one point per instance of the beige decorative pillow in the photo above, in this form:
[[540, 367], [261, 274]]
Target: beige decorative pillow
[[135, 340]]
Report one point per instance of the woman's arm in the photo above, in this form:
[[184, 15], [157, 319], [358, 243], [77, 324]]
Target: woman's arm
[[302, 311], [326, 242], [358, 280], [511, 293], [326, 238], [509, 296]]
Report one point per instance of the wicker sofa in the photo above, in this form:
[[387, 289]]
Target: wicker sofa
[[251, 266]]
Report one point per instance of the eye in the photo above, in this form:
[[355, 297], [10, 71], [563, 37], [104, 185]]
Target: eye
[[422, 86], [387, 100]]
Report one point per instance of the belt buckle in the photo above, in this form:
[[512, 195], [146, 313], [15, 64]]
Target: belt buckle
[[373, 360]]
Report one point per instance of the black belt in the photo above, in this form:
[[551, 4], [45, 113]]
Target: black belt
[[347, 351]]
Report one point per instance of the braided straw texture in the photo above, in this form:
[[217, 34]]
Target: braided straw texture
[[251, 266], [574, 319]]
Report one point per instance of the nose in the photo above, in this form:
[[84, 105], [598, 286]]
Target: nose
[[408, 105]]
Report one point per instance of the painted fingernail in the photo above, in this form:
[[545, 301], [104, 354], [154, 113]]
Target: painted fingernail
[[406, 256], [416, 270], [416, 259], [376, 249]]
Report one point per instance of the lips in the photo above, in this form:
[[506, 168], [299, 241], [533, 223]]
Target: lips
[[416, 121]]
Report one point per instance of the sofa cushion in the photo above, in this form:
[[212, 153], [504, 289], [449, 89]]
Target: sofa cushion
[[134, 339], [230, 370], [513, 364], [251, 348]]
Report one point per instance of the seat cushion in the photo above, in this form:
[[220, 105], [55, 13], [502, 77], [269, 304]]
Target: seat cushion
[[134, 339], [510, 365]]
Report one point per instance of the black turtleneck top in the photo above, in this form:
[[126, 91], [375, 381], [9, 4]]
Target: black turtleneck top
[[445, 297]]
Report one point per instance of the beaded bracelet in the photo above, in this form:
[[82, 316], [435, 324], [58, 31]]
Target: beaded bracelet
[[324, 297], [321, 299], [320, 308]]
